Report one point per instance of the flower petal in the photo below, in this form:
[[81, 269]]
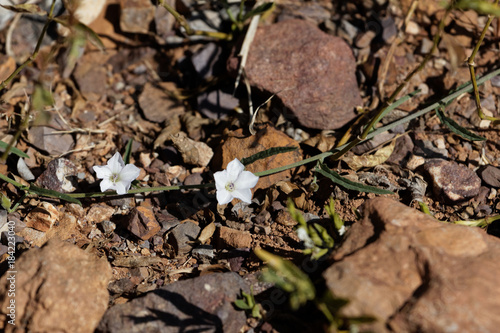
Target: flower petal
[[234, 169], [129, 173], [116, 163], [246, 180], [243, 194], [102, 172], [106, 184], [221, 179], [121, 187], [224, 196]]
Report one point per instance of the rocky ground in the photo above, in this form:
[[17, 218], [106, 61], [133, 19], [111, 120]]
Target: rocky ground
[[175, 261]]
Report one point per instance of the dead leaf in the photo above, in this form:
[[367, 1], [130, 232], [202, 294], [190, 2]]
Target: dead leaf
[[206, 233], [193, 152], [369, 161]]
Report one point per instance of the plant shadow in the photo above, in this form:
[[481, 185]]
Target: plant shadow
[[186, 317]]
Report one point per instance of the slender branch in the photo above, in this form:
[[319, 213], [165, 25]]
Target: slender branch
[[382, 111], [50, 18], [471, 64], [140, 190], [13, 182], [28, 61], [190, 31]]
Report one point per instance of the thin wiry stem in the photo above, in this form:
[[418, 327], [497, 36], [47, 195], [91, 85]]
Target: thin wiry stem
[[471, 64]]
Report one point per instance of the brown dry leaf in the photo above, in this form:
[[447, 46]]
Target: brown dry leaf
[[295, 193], [193, 152], [322, 142], [369, 161], [173, 125], [136, 261], [456, 51], [194, 123], [206, 233]]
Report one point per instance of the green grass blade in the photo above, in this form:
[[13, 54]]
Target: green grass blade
[[52, 194], [128, 151], [13, 150], [397, 103], [456, 128], [266, 153], [346, 183], [466, 88]]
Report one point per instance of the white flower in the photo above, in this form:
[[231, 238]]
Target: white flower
[[304, 237], [342, 230], [116, 175], [234, 183]]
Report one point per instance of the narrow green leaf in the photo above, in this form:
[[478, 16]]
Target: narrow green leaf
[[5, 202], [456, 128], [91, 36], [288, 277], [52, 194], [242, 304], [266, 153], [482, 7], [27, 8], [348, 184], [13, 150], [41, 97], [445, 100], [397, 104], [128, 151]]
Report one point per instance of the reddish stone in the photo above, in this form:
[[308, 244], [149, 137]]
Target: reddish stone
[[313, 73]]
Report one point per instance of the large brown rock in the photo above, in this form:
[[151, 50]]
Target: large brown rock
[[202, 304], [416, 274], [313, 73], [238, 145], [58, 288]]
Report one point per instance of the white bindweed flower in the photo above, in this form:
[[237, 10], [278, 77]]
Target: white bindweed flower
[[116, 175], [342, 230], [304, 237], [234, 183]]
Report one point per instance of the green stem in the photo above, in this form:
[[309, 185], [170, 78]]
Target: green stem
[[13, 182], [141, 190], [338, 152], [481, 223], [471, 64], [28, 61], [189, 31], [35, 52]]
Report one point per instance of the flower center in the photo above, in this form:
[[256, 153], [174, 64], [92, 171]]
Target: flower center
[[115, 177], [230, 187]]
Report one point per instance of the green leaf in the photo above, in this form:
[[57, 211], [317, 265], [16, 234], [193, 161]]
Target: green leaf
[[41, 97], [296, 216], [482, 7], [52, 194], [266, 153], [334, 216], [348, 184], [128, 151], [91, 36], [259, 10], [288, 277], [26, 8], [445, 100], [242, 304], [13, 150], [5, 202], [456, 128], [397, 103]]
